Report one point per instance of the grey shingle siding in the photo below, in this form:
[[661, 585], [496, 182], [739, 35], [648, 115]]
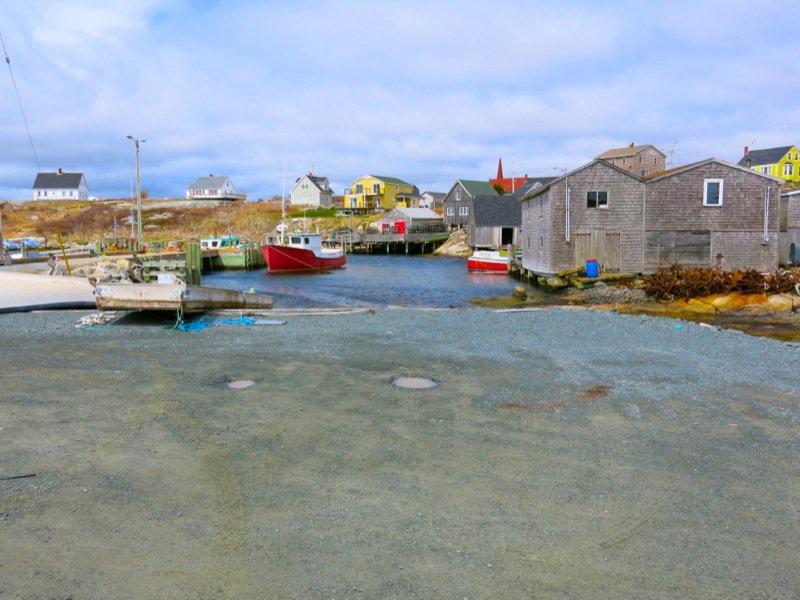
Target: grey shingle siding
[[651, 219]]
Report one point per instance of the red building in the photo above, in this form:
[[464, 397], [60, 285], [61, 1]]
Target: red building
[[509, 184]]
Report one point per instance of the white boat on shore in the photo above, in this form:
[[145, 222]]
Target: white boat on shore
[[22, 292]]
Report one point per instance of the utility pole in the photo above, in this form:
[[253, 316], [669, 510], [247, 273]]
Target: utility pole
[[138, 194]]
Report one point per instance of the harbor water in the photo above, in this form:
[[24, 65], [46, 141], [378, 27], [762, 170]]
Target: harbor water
[[374, 281]]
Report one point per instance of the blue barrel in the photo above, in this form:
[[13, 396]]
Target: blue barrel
[[592, 269]]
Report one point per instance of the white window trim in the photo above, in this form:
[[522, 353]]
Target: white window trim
[[721, 183]]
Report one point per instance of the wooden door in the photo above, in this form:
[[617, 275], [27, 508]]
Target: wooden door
[[604, 246]]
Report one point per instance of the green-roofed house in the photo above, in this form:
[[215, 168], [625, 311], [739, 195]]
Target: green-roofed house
[[458, 201], [376, 192]]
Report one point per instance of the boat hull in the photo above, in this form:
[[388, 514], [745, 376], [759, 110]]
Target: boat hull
[[488, 262], [187, 298], [21, 292], [286, 259]]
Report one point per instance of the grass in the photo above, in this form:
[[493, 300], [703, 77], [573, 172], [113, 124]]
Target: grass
[[85, 222]]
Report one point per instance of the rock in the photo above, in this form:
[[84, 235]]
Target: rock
[[556, 283], [519, 293]]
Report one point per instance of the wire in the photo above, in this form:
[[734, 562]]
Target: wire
[[19, 99]]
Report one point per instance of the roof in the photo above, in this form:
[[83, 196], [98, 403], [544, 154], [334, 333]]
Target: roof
[[684, 168], [626, 151], [496, 211], [321, 183], [530, 184], [477, 188], [536, 190], [767, 156], [435, 195], [209, 183], [417, 213], [57, 181], [394, 180]]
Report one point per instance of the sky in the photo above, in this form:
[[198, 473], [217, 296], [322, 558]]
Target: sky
[[428, 91]]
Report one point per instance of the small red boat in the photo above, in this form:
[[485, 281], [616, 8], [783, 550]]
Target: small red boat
[[488, 260], [301, 252]]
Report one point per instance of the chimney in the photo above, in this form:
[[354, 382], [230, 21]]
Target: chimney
[[749, 163], [632, 145], [746, 150], [60, 171]]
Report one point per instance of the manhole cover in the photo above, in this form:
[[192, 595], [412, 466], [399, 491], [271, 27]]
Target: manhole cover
[[414, 383], [241, 384]]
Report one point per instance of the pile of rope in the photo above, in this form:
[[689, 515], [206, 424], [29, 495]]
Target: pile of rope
[[207, 322]]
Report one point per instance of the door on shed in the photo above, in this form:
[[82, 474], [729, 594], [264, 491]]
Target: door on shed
[[604, 246]]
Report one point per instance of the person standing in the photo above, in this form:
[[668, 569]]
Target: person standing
[[51, 263]]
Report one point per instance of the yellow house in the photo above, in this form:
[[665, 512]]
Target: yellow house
[[375, 192], [783, 162]]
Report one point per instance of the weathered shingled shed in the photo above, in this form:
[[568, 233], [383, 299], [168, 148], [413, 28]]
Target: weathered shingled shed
[[706, 213]]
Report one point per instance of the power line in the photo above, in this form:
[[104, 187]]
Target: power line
[[19, 99]]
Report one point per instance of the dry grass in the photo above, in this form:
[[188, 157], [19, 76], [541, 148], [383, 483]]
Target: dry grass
[[83, 222]]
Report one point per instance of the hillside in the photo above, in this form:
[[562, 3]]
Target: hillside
[[163, 220]]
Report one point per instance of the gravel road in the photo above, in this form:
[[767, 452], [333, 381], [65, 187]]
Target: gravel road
[[562, 454]]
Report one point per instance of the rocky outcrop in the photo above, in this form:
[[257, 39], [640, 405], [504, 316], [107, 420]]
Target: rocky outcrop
[[105, 270], [456, 245]]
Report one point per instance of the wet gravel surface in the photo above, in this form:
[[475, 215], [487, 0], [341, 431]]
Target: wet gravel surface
[[561, 454]]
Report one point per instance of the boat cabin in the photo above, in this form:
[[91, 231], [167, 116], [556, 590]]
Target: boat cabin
[[309, 241], [223, 243]]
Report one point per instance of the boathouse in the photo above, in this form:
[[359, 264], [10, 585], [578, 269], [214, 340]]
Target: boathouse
[[402, 220], [494, 222], [703, 214]]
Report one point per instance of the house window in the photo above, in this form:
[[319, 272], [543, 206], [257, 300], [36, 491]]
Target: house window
[[541, 242], [458, 195], [655, 160], [359, 189], [451, 211], [613, 162], [788, 169], [596, 199], [541, 206], [376, 188], [643, 172], [640, 160], [765, 170], [463, 211], [712, 192], [353, 202]]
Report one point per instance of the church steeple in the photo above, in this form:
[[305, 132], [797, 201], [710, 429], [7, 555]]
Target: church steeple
[[500, 169]]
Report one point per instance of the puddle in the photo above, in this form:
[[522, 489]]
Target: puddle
[[414, 383], [241, 384]]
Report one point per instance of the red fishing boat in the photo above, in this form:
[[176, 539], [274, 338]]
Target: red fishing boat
[[299, 252], [488, 260]]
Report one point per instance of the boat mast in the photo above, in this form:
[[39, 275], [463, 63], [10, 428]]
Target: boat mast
[[283, 190]]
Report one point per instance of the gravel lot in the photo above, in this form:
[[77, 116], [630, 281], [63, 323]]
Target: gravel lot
[[563, 454]]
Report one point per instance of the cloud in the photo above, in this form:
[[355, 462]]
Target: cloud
[[426, 91]]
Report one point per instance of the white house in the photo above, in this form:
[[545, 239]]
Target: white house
[[310, 190], [212, 188], [60, 186]]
